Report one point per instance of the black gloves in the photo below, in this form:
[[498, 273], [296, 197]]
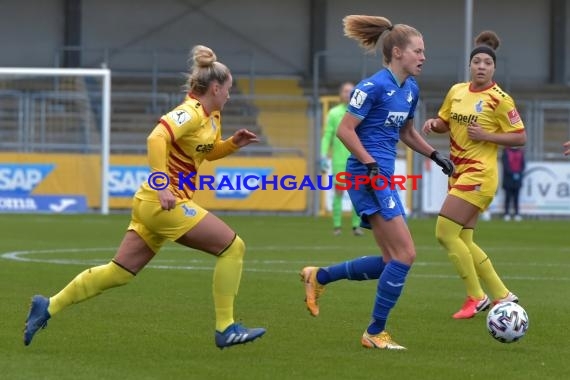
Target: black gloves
[[445, 163], [372, 172]]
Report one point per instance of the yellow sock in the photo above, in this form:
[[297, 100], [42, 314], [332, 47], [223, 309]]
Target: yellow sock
[[89, 283], [484, 267], [447, 232], [227, 276]]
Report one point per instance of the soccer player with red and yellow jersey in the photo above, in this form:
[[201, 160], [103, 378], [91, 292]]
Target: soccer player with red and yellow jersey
[[182, 140], [479, 117]]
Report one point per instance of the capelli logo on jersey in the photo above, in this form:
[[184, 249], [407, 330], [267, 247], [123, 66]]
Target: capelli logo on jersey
[[463, 119], [204, 148]]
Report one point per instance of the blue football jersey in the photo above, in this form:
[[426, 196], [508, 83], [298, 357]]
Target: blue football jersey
[[384, 108]]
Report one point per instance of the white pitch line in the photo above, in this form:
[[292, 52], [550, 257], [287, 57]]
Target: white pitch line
[[18, 256], [22, 256]]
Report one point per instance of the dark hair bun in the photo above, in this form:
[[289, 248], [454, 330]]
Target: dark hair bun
[[488, 38]]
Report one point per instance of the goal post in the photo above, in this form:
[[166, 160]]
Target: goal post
[[49, 113]]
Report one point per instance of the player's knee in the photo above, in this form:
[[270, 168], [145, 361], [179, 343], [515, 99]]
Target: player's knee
[[407, 256], [440, 234], [235, 249], [118, 275], [443, 234], [411, 256], [240, 245]]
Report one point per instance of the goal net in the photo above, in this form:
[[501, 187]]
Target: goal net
[[54, 140]]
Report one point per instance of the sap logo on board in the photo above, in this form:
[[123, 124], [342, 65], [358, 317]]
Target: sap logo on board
[[240, 182], [22, 178], [124, 180]]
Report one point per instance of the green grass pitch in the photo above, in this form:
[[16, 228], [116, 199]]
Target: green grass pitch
[[161, 325]]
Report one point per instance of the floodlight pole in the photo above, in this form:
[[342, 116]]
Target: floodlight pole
[[468, 37]]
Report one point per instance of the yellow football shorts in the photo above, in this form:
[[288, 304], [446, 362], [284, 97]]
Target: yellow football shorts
[[156, 225], [477, 188]]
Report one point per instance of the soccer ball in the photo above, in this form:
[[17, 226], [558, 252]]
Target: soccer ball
[[507, 322]]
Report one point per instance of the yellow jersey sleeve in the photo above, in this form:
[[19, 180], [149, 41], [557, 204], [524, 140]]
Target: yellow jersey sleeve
[[171, 127], [181, 121], [444, 112], [156, 149], [508, 116], [221, 148]]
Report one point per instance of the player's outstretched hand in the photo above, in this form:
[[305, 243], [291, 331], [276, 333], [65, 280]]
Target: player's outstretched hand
[[243, 137]]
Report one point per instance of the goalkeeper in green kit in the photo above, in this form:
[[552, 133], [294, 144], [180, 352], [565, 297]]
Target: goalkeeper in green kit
[[339, 154]]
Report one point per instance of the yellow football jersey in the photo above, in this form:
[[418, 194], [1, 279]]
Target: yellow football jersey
[[491, 108], [187, 136]]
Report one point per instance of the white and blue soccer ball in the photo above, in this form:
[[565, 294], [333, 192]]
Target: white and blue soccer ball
[[507, 322]]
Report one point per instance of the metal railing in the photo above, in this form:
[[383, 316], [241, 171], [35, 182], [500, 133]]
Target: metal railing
[[154, 63], [547, 124]]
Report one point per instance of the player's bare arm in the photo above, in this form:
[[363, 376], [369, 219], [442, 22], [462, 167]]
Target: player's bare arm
[[414, 140], [435, 125]]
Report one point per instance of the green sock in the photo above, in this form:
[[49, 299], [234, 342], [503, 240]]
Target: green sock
[[337, 210]]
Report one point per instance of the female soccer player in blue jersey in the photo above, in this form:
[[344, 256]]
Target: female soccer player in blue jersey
[[380, 113], [479, 116], [181, 141]]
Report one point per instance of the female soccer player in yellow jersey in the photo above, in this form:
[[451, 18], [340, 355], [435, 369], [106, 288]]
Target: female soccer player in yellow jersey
[[181, 141], [479, 116]]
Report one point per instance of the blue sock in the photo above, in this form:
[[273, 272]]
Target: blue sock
[[363, 268], [390, 287]]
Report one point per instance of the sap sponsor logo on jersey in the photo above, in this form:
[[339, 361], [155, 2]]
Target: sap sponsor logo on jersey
[[239, 183], [179, 117], [124, 180], [358, 98], [395, 119], [22, 178], [463, 119]]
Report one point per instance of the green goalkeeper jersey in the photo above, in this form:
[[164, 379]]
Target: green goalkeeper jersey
[[330, 143]]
